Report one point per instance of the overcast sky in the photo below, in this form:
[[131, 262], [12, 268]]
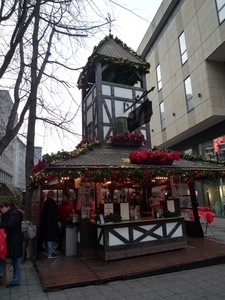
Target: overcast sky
[[129, 28]]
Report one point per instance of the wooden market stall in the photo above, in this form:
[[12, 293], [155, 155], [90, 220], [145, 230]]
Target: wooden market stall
[[129, 200], [140, 237], [127, 208]]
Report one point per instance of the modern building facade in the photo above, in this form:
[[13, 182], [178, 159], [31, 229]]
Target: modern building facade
[[12, 161], [19, 165], [7, 158], [185, 45], [37, 154]]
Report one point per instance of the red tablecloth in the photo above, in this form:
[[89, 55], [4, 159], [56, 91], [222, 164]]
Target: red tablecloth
[[206, 213]]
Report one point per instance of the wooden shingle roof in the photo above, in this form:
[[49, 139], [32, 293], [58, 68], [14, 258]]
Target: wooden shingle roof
[[113, 47], [113, 50], [118, 157]]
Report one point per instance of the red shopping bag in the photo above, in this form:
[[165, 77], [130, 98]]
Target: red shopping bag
[[3, 248]]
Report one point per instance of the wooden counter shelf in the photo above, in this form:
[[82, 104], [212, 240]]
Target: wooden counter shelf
[[140, 237]]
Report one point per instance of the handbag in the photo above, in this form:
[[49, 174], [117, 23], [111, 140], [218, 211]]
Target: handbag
[[3, 247], [28, 230]]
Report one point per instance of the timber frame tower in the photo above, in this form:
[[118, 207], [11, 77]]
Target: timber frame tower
[[113, 79]]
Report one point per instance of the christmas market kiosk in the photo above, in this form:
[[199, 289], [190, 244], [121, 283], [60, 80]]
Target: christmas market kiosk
[[129, 199], [132, 200]]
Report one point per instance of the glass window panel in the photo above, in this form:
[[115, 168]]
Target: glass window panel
[[189, 96], [159, 85], [183, 48], [220, 3], [190, 104], [188, 87], [158, 73], [184, 57], [159, 80], [162, 115], [121, 125], [162, 111], [182, 43], [222, 15]]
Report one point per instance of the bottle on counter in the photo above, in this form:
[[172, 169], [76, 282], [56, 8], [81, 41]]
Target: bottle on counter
[[135, 214], [118, 198], [169, 196], [124, 198], [139, 215], [109, 198], [131, 212], [157, 213], [161, 213]]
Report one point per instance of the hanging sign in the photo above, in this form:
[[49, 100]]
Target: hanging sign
[[139, 116]]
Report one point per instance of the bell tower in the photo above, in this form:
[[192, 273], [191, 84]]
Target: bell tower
[[113, 79]]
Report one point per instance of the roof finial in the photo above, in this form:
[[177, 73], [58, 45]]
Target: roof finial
[[110, 23]]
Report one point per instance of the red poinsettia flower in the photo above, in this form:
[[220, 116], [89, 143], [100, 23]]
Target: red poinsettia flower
[[86, 141], [39, 166], [197, 176], [114, 175], [87, 174], [154, 156], [51, 176], [146, 173], [126, 136]]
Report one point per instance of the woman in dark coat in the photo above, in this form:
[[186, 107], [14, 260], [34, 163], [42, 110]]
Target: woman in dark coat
[[50, 223], [11, 220]]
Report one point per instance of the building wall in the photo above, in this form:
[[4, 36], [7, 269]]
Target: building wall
[[7, 158], [205, 45], [19, 171], [37, 154], [12, 161]]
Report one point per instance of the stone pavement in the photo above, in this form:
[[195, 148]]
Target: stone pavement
[[202, 283]]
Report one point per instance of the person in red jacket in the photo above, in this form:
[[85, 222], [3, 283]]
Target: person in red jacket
[[65, 209]]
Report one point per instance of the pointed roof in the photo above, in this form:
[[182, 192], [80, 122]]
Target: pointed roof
[[8, 188], [118, 157], [113, 50]]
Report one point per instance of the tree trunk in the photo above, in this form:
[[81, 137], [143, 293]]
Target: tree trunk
[[32, 112]]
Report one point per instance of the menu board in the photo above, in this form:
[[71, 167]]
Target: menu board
[[124, 211], [108, 209], [170, 205]]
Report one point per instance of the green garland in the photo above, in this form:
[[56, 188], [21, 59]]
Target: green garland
[[121, 175], [193, 157], [82, 148], [197, 158], [118, 174]]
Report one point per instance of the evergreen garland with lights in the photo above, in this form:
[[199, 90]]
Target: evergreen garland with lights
[[118, 174]]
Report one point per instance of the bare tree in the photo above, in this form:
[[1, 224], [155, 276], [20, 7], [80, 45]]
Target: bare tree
[[44, 37]]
